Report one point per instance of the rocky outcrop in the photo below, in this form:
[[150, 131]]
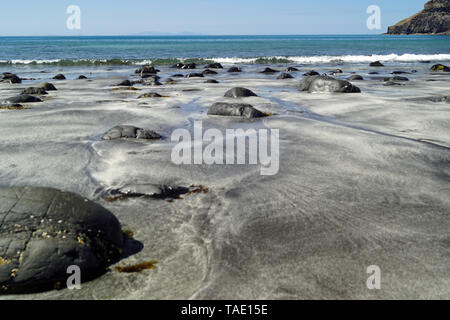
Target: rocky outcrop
[[43, 231], [434, 19]]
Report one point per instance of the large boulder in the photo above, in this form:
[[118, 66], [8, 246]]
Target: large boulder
[[209, 72], [234, 110], [214, 65], [10, 77], [43, 231], [269, 71], [327, 84], [239, 92], [48, 86], [234, 69], [146, 70], [59, 77], [34, 90], [130, 132], [311, 73], [22, 98], [440, 67]]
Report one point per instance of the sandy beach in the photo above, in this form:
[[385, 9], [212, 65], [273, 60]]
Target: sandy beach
[[364, 179]]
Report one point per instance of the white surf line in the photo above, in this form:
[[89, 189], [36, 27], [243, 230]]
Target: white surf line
[[315, 116]]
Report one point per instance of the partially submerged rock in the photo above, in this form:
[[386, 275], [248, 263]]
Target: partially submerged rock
[[59, 77], [214, 65], [209, 72], [327, 84], [396, 78], [146, 70], [285, 76], [234, 69], [48, 86], [235, 110], [10, 77], [125, 83], [150, 95], [130, 132], [376, 64], [43, 231], [211, 81], [311, 73], [82, 77], [269, 70], [239, 92], [35, 90], [440, 67], [291, 69], [355, 77], [22, 98], [189, 66], [194, 75]]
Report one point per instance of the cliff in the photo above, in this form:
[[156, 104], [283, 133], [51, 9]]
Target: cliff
[[433, 19]]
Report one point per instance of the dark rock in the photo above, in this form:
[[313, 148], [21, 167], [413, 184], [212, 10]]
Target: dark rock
[[150, 191], [336, 71], [239, 92], [131, 132], [214, 65], [125, 83], [146, 70], [235, 110], [209, 72], [355, 77], [440, 67], [291, 69], [434, 19], [211, 81], [285, 76], [376, 64], [178, 65], [48, 86], [234, 69], [34, 90], [82, 77], [59, 77], [150, 95], [152, 81], [269, 70], [23, 98], [194, 75], [311, 73], [44, 231], [374, 72], [396, 78], [399, 72], [327, 84]]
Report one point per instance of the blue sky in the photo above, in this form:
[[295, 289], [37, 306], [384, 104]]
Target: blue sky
[[111, 17]]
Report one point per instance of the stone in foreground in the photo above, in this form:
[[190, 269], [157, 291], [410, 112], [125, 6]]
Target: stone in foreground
[[43, 231], [130, 132], [234, 110], [440, 68], [327, 84], [239, 92], [22, 98]]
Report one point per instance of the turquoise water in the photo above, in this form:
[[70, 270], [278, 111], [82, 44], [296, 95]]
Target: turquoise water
[[124, 50]]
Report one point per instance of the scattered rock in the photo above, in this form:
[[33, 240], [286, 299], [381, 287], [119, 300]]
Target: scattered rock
[[125, 83], [399, 72], [327, 84], [284, 76], [150, 95], [396, 78], [435, 99], [376, 64], [291, 69], [440, 67], [178, 65], [374, 72], [48, 231], [211, 81], [234, 69], [34, 90], [146, 70], [355, 77], [189, 66], [131, 132], [12, 106], [48, 86], [392, 83], [235, 110], [336, 71], [23, 98], [82, 77], [269, 70], [311, 73], [214, 65], [178, 75], [10, 77], [239, 92], [59, 77]]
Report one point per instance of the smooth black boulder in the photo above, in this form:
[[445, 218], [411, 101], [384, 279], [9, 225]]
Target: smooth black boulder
[[48, 86], [234, 69], [327, 84], [376, 64], [82, 77], [34, 90], [440, 67], [269, 70], [239, 92], [214, 65], [311, 73], [59, 77], [355, 77], [284, 76], [209, 72], [22, 98], [43, 231], [234, 110], [194, 75], [130, 132], [291, 69]]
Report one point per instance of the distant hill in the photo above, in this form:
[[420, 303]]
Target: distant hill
[[434, 19]]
